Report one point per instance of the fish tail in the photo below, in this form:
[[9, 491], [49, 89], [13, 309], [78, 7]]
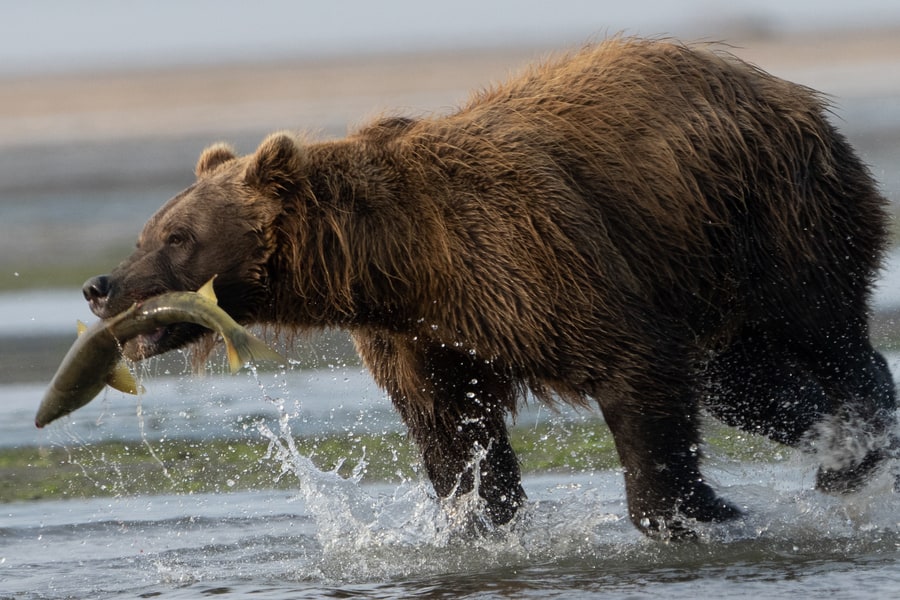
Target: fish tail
[[242, 349]]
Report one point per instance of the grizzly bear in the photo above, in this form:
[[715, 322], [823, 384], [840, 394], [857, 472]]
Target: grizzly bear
[[656, 227]]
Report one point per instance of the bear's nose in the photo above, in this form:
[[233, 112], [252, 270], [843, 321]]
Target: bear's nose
[[96, 292]]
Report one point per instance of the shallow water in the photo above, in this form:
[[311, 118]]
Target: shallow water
[[574, 541], [202, 407], [335, 537]]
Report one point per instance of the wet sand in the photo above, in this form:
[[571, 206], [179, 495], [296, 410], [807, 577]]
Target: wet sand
[[329, 94]]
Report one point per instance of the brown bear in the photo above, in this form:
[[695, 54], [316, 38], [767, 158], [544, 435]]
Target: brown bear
[[652, 226]]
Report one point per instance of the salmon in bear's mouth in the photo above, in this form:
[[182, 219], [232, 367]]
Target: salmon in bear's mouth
[[161, 340]]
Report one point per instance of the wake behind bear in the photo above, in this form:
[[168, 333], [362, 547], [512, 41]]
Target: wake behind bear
[[655, 227]]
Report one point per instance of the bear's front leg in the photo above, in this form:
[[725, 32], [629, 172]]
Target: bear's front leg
[[464, 417], [454, 405], [460, 448]]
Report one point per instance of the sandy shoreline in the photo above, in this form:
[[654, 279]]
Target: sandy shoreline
[[330, 94]]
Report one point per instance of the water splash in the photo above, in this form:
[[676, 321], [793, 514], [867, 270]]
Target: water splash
[[353, 527], [387, 532], [390, 540], [384, 532], [143, 433]]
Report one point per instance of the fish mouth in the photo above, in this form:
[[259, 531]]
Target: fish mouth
[[162, 340]]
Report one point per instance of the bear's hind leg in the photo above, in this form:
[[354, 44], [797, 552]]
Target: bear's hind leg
[[762, 390], [653, 417], [834, 392], [858, 435]]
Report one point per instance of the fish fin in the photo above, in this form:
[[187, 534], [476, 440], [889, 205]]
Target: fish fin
[[244, 349], [206, 290], [80, 326], [121, 379], [235, 361]]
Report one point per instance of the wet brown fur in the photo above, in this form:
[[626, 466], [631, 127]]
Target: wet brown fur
[[601, 227]]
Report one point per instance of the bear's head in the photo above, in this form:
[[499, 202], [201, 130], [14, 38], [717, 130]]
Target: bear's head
[[223, 225]]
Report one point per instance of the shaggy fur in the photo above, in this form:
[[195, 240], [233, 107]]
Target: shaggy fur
[[643, 224]]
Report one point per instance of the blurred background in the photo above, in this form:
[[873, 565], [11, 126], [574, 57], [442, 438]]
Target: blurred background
[[105, 105]]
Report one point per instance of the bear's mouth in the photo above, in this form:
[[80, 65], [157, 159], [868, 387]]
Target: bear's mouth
[[162, 340], [153, 338]]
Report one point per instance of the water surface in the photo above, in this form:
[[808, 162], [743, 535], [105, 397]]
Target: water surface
[[340, 539], [336, 537]]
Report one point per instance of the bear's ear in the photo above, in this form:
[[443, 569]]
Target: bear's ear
[[212, 157], [277, 164]]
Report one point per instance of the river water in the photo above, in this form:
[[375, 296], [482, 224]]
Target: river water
[[337, 538]]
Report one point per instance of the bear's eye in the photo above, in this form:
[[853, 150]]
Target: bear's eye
[[175, 239]]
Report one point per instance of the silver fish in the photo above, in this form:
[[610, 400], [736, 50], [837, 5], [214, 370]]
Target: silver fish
[[95, 359]]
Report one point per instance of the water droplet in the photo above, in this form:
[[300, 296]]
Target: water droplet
[[470, 394], [473, 382]]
